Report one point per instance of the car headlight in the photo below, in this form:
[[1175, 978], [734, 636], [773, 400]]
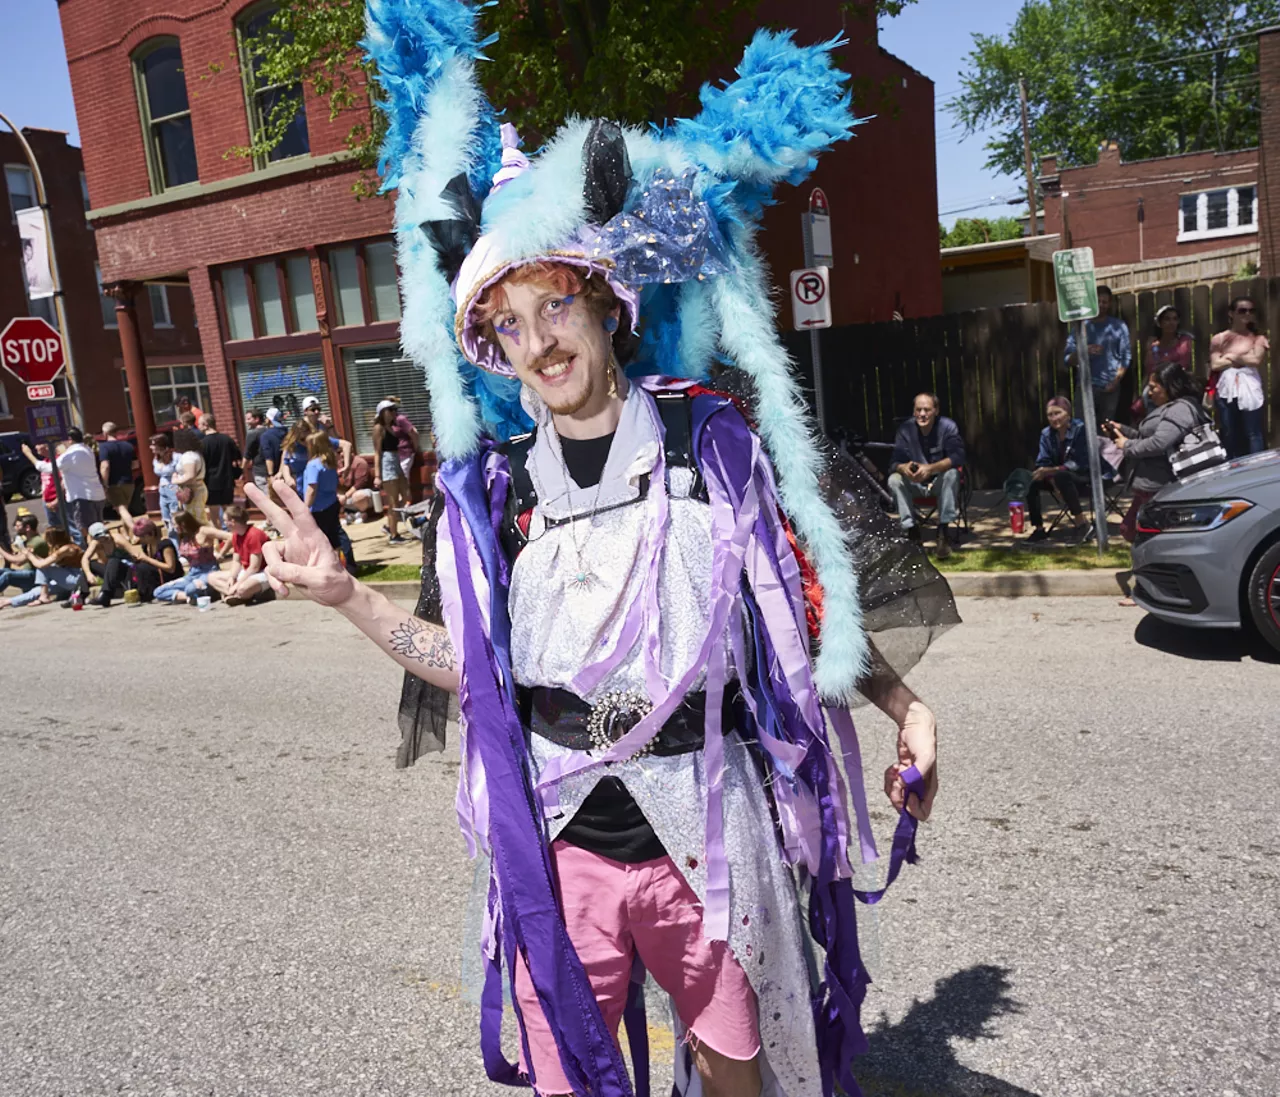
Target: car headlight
[[1189, 517]]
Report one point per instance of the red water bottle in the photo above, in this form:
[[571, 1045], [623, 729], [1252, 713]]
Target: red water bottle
[[1017, 517], [77, 602]]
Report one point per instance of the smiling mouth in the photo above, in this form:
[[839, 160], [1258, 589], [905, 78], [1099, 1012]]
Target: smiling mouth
[[556, 370]]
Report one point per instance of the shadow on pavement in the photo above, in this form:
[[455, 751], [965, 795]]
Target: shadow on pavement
[[914, 1057], [1208, 644]]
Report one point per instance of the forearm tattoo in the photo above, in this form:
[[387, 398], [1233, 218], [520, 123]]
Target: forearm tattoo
[[427, 644]]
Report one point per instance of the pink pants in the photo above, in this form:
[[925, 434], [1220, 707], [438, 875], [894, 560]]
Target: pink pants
[[614, 911]]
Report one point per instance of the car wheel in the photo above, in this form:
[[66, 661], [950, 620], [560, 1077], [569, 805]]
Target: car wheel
[[1264, 596], [30, 484]]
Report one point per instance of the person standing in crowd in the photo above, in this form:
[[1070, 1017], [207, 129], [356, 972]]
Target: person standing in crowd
[[1235, 358], [115, 467], [155, 561], [164, 461], [20, 572], [271, 443], [395, 444], [293, 453], [319, 487], [196, 543], [319, 421], [928, 454], [1147, 447], [1062, 465], [57, 572], [1109, 355], [43, 463], [222, 467], [188, 475], [247, 579], [255, 424], [357, 494], [1169, 344], [83, 489]]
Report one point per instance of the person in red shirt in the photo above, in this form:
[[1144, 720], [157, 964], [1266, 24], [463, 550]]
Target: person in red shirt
[[247, 579]]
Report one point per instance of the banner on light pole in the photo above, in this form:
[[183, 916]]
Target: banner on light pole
[[33, 231]]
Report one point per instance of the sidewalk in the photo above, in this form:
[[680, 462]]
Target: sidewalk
[[989, 519]]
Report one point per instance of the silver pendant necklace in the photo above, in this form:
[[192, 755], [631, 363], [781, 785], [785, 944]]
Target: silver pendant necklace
[[584, 579]]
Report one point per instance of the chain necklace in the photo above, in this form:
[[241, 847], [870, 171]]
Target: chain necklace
[[584, 578]]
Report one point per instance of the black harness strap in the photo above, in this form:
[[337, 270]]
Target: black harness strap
[[676, 412]]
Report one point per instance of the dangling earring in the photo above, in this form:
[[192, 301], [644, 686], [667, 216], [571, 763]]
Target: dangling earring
[[613, 375]]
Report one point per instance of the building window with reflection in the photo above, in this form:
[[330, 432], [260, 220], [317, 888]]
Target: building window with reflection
[[166, 114], [277, 114]]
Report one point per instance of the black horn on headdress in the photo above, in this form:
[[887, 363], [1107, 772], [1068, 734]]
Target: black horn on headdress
[[454, 238], [606, 171]]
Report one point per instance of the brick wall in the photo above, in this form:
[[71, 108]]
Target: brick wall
[[1269, 152], [1103, 201], [882, 184]]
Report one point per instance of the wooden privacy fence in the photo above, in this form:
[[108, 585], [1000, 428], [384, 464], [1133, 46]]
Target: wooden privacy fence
[[994, 370]]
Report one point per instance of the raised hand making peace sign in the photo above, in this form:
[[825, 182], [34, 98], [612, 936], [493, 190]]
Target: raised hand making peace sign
[[302, 557]]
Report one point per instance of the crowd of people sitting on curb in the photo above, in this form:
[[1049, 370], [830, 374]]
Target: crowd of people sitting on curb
[[96, 552]]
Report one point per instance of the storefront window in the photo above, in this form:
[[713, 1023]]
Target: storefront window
[[345, 273], [380, 269], [266, 287], [235, 294], [282, 382], [168, 384], [302, 294], [375, 373]]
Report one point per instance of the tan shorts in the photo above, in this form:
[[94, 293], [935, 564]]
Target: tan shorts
[[120, 495]]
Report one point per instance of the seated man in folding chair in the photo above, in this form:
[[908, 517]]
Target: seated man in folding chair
[[928, 454], [1062, 468]]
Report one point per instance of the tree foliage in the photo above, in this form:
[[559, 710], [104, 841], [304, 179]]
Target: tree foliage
[[979, 230], [1160, 76], [631, 60]]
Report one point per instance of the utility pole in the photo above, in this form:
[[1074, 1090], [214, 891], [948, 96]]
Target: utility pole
[[59, 301], [1034, 225]]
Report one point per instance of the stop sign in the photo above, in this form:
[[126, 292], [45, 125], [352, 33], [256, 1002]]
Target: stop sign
[[31, 349]]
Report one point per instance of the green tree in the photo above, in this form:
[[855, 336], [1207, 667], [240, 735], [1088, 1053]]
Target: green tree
[[1159, 76], [632, 60], [979, 230]]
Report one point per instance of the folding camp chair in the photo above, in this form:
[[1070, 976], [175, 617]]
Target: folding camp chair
[[927, 505]]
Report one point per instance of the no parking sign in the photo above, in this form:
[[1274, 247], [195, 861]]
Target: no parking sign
[[811, 298]]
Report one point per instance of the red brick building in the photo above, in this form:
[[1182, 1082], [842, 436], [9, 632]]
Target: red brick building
[[1144, 210], [166, 318], [294, 280], [882, 185]]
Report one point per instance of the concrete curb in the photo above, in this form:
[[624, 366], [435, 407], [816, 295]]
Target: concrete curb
[[964, 584], [1028, 584]]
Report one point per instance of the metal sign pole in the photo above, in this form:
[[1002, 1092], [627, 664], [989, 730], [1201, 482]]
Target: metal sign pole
[[1091, 436], [815, 339]]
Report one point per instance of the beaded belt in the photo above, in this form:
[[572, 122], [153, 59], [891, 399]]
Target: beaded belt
[[569, 721]]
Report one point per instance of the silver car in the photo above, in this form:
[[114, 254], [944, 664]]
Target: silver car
[[1207, 554]]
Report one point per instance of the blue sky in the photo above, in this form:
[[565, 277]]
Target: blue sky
[[932, 36]]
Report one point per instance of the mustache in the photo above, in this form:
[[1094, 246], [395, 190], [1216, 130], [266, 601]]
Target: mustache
[[553, 358]]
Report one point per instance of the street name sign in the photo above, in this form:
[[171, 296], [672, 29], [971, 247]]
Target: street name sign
[[31, 349], [1077, 284], [811, 298]]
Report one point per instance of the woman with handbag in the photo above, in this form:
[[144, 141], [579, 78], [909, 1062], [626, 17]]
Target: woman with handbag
[[1235, 357], [188, 475]]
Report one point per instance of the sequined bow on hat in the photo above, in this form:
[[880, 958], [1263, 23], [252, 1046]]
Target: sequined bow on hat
[[669, 236]]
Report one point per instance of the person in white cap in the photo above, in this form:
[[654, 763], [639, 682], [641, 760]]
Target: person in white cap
[[395, 444], [314, 415]]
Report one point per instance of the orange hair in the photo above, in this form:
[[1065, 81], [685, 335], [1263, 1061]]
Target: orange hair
[[564, 278]]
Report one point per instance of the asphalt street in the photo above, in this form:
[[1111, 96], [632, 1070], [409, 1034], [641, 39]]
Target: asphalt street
[[214, 882]]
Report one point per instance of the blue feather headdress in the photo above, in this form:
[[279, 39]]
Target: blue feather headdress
[[705, 296]]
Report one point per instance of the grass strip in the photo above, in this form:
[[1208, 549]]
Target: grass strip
[[1075, 558], [391, 573]]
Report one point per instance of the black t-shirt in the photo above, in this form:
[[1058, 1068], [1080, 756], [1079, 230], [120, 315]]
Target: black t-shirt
[[220, 456], [118, 455], [609, 822]]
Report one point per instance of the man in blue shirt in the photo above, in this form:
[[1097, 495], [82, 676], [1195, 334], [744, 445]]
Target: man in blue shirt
[[928, 454], [115, 467], [271, 440], [1109, 354]]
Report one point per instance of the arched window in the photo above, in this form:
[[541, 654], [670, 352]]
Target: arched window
[[277, 113], [166, 115]]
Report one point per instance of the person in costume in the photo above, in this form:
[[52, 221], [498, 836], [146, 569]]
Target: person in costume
[[643, 589]]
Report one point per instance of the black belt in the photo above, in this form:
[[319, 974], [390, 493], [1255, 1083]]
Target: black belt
[[569, 721]]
